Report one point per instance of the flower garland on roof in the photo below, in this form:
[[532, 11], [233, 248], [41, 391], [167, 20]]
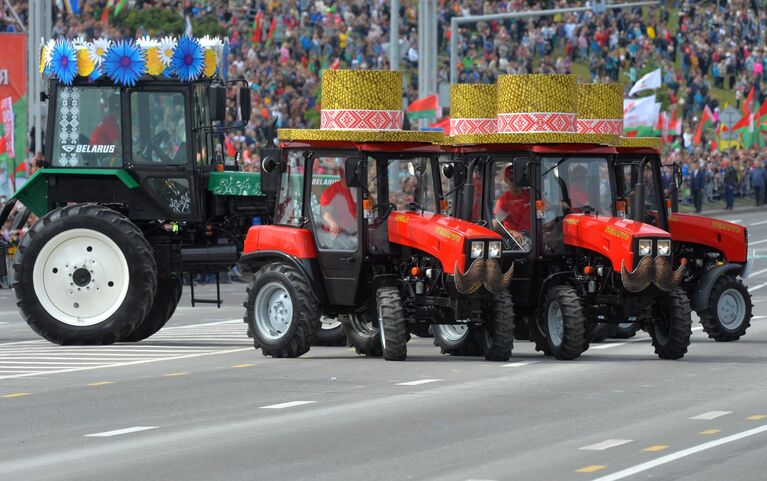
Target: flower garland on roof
[[64, 62], [188, 59], [124, 63]]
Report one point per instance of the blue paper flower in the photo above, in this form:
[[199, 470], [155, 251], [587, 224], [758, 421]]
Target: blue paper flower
[[124, 62], [225, 61], [64, 62], [188, 59], [95, 74]]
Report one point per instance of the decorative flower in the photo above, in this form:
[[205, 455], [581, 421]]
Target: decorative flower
[[210, 62], [225, 61], [85, 65], [43, 59], [64, 62], [124, 62], [49, 51], [145, 42], [154, 65], [167, 44], [97, 49], [188, 59]]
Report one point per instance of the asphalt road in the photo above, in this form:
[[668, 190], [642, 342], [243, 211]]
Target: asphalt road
[[197, 402]]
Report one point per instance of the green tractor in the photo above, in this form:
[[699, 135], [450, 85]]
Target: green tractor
[[134, 192]]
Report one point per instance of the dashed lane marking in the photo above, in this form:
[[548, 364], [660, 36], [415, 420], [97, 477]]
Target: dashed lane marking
[[756, 417], [607, 444], [418, 382], [757, 273], [655, 448], [756, 318], [119, 432], [757, 242], [709, 432], [101, 383], [591, 469], [519, 364], [625, 473], [15, 394], [697, 328], [761, 222], [287, 405], [176, 374], [243, 365], [711, 415], [608, 345], [756, 288]]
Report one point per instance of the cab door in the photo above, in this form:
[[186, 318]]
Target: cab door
[[160, 149], [335, 211]]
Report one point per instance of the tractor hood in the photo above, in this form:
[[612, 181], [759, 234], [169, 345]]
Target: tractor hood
[[612, 237], [728, 238], [440, 236]]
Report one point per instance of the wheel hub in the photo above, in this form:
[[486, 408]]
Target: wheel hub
[[555, 323], [81, 277], [273, 311], [731, 309]]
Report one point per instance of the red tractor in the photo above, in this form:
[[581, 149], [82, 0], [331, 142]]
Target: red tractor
[[715, 250], [358, 234]]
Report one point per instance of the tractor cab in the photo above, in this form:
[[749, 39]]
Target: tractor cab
[[361, 233]]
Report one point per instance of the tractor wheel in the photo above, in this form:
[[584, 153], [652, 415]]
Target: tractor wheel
[[281, 311], [602, 331], [499, 334], [564, 323], [625, 330], [331, 333], [84, 274], [672, 325], [391, 321], [459, 339], [728, 314], [362, 333], [164, 305], [537, 334]]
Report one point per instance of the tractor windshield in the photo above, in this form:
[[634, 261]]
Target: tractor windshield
[[87, 127], [411, 183], [627, 175]]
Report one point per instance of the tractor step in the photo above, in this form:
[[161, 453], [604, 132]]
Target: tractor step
[[217, 301]]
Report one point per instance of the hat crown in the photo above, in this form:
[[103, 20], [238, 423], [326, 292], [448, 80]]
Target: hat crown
[[361, 100]]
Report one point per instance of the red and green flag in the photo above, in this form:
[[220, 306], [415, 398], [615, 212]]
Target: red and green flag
[[749, 103], [257, 28], [706, 119], [120, 5], [424, 108]]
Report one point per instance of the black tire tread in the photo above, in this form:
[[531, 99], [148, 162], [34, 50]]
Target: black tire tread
[[330, 337], [166, 300], [369, 346], [680, 329], [574, 341], [708, 316], [502, 336], [394, 326], [472, 345]]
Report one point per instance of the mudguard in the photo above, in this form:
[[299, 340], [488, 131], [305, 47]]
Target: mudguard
[[702, 290], [307, 267]]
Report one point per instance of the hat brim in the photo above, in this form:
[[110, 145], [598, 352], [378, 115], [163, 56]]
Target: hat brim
[[640, 142], [361, 135], [535, 138]]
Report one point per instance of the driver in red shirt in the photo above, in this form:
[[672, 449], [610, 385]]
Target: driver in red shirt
[[108, 131], [338, 210], [577, 189], [512, 209]]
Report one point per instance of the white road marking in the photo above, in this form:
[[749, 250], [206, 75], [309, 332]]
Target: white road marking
[[287, 405], [757, 242], [757, 273], [757, 317], [761, 222], [756, 288], [608, 345], [118, 432], [3, 322], [607, 444], [735, 221], [217, 323], [418, 382], [625, 473], [519, 364], [711, 415], [697, 328]]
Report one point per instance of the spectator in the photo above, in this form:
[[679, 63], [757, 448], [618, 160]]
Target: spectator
[[698, 186], [759, 182]]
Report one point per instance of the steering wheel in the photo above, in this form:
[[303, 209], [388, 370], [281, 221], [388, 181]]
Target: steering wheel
[[154, 144]]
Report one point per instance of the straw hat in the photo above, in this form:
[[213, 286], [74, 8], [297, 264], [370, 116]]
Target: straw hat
[[361, 106], [641, 142], [472, 109]]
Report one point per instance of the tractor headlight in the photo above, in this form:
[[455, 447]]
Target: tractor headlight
[[645, 247], [477, 249], [664, 247], [494, 249]]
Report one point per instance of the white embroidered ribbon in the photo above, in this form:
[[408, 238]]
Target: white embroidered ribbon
[[359, 119], [600, 126], [473, 126], [537, 122]]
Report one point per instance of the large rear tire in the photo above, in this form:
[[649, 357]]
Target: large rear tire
[[331, 332], [164, 305], [459, 339], [391, 318], [281, 311], [84, 274], [625, 330], [671, 325], [564, 323], [499, 335], [363, 334], [728, 314]]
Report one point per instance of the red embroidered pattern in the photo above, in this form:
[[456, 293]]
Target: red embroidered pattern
[[600, 126], [348, 119], [537, 122], [472, 126]]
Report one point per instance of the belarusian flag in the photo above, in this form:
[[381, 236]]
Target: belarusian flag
[[751, 126], [120, 5], [749, 103], [640, 131], [705, 120], [443, 124], [674, 125], [257, 28], [425, 108]]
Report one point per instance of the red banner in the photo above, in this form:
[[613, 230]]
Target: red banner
[[13, 66]]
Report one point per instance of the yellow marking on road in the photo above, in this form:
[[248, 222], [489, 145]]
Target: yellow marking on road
[[243, 365], [591, 469], [656, 448], [708, 432], [101, 383], [16, 394], [756, 417], [176, 374]]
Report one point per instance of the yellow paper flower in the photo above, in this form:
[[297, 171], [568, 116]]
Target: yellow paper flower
[[210, 62], [43, 59], [154, 65], [85, 65]]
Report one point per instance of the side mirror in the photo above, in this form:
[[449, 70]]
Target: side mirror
[[271, 171], [217, 102], [677, 169], [245, 105], [352, 171], [448, 171], [520, 173], [268, 165]]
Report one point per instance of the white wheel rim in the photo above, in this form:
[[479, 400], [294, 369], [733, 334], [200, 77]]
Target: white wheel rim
[[731, 309], [452, 332], [273, 311], [381, 326], [329, 323], [626, 325], [555, 323], [81, 277]]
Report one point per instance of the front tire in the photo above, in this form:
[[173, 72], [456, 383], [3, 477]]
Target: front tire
[[84, 275], [331, 332], [363, 334], [672, 325], [728, 314], [564, 323], [625, 330], [391, 318], [459, 339], [281, 311], [164, 305]]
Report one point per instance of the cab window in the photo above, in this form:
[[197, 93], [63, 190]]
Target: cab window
[[510, 208], [158, 128], [411, 184], [334, 205]]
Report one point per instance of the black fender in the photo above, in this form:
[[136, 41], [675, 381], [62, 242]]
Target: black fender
[[7, 211], [702, 289], [308, 267]]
